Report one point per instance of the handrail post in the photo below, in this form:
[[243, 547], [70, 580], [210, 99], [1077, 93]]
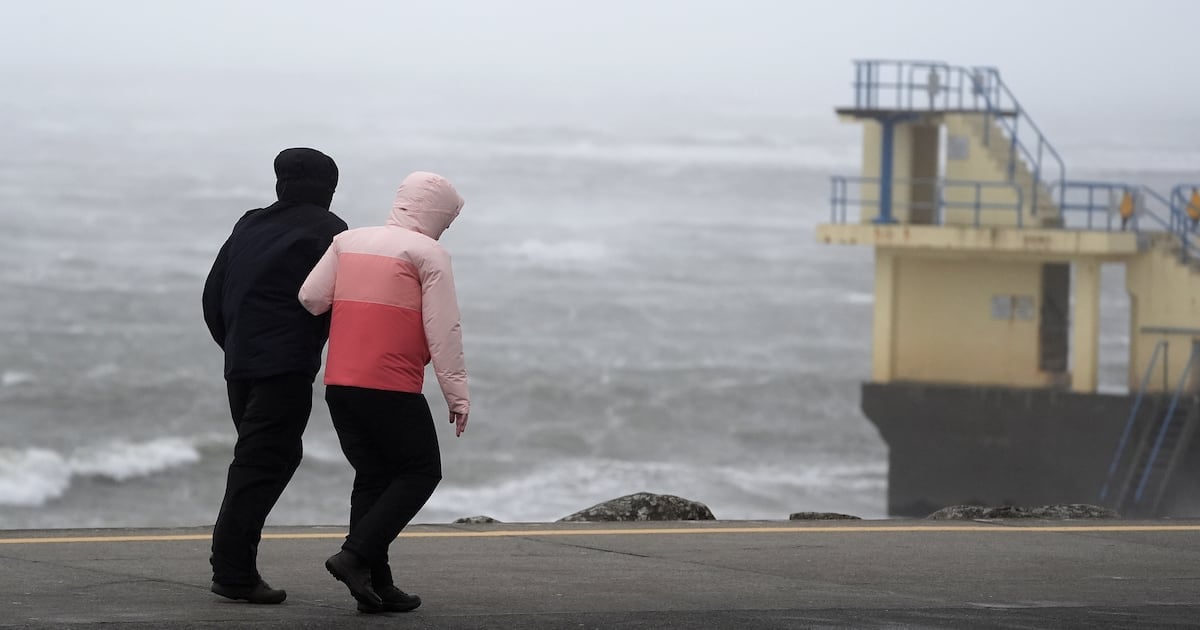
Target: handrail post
[[1037, 178], [1166, 364], [1020, 206], [858, 104], [833, 200], [1091, 204], [1012, 150], [912, 68], [940, 200], [978, 194]]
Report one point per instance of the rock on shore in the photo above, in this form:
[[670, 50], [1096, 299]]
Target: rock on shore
[[643, 506], [1061, 511], [822, 516], [475, 520]]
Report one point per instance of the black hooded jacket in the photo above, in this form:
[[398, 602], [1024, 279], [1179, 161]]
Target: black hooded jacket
[[250, 303]]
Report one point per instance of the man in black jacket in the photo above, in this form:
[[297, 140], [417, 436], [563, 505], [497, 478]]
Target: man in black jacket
[[272, 355]]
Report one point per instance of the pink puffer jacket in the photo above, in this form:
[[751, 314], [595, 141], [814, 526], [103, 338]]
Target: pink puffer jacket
[[392, 293]]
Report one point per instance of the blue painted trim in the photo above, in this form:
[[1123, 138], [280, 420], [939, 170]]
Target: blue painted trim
[[885, 170]]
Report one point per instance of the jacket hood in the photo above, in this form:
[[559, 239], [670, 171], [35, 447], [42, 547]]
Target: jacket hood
[[425, 203], [305, 176]]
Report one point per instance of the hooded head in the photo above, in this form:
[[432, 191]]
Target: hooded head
[[426, 203], [305, 176]]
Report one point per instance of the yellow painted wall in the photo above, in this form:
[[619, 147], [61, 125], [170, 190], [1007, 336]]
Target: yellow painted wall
[[943, 329], [924, 170], [1164, 293], [978, 164], [1085, 326], [884, 323], [933, 319]]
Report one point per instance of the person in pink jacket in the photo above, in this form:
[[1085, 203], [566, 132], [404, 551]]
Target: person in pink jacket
[[391, 289]]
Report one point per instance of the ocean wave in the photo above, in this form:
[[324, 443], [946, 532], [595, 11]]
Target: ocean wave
[[855, 297], [12, 378], [568, 253], [806, 156], [323, 447], [790, 146], [33, 476], [232, 193], [712, 147], [102, 371], [555, 490]]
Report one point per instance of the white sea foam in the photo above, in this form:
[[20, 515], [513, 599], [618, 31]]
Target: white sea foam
[[33, 476], [555, 490], [855, 297], [232, 193], [322, 446], [810, 156], [122, 461], [570, 253], [103, 370], [11, 378], [733, 147]]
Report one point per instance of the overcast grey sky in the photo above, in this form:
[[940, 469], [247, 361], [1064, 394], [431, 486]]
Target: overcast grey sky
[[1122, 58]]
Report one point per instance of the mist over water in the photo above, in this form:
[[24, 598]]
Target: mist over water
[[633, 307]]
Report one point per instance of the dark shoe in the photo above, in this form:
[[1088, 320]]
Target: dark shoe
[[356, 575], [394, 600], [260, 593]]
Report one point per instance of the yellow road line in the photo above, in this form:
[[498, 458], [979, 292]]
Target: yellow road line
[[977, 528]]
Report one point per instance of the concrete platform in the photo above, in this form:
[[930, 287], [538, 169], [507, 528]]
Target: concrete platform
[[919, 574]]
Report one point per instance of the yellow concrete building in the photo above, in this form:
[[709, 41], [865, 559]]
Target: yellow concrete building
[[987, 276]]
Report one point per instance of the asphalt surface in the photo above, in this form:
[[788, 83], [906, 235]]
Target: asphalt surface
[[860, 574]]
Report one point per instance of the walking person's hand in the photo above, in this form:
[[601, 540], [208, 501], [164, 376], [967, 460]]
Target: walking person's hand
[[459, 420]]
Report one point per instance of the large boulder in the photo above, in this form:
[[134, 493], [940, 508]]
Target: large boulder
[[822, 516], [643, 506], [1065, 511], [1073, 510], [475, 520]]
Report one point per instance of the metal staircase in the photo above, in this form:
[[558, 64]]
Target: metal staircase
[[1154, 444]]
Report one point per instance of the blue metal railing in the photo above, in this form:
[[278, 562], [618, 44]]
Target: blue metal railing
[[1166, 424], [1036, 158], [894, 84], [897, 85], [1146, 196], [841, 201], [1137, 405], [1185, 214], [1097, 202], [908, 86]]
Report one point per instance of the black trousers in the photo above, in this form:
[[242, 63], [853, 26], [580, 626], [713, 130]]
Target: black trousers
[[270, 415], [390, 440]]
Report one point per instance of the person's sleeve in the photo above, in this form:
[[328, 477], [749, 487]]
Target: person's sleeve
[[214, 289], [316, 293], [443, 329]]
